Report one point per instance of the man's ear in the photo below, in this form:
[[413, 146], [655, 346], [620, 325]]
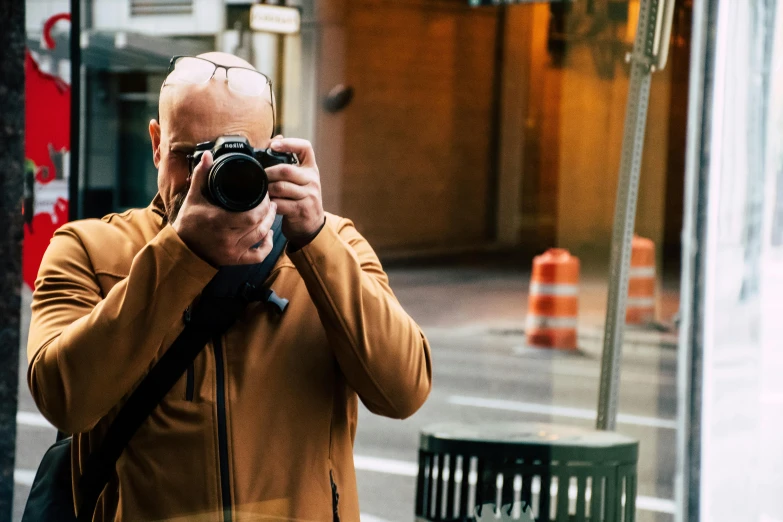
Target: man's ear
[[155, 139]]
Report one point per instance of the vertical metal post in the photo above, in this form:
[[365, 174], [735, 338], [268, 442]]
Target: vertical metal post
[[74, 203], [281, 59], [491, 226], [691, 343], [649, 54], [280, 101], [12, 90]]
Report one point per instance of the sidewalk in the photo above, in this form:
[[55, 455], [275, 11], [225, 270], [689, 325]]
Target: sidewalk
[[494, 299]]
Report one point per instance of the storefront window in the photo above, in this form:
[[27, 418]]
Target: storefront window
[[462, 141]]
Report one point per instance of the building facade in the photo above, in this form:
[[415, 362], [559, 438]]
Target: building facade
[[468, 128]]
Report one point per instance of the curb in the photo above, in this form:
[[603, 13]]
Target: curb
[[588, 337], [633, 336]]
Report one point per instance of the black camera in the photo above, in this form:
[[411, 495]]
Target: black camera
[[237, 180]]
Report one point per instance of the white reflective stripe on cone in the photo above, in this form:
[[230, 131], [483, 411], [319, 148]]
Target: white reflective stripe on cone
[[639, 272], [553, 289], [546, 321], [640, 302]]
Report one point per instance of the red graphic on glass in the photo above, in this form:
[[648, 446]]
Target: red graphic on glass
[[47, 151]]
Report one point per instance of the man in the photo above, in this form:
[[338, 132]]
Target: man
[[262, 426]]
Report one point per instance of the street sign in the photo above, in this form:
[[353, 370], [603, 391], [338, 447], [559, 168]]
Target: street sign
[[275, 19]]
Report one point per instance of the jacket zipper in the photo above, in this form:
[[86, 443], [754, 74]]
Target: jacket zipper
[[225, 480], [190, 384], [335, 498]]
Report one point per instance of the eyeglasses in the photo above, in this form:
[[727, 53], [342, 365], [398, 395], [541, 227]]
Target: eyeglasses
[[241, 80]]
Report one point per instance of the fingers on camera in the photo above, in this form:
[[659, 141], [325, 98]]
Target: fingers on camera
[[295, 210], [288, 173], [203, 166], [261, 233], [287, 190], [265, 227], [261, 248], [302, 148]]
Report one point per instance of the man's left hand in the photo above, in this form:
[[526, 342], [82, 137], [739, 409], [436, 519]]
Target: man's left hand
[[296, 189]]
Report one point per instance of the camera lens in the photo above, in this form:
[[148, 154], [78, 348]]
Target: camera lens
[[237, 182]]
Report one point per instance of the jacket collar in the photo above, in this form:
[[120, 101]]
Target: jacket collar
[[157, 206]]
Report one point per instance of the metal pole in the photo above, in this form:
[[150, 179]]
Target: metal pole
[[649, 54], [74, 205], [280, 80], [12, 86], [691, 342], [279, 102]]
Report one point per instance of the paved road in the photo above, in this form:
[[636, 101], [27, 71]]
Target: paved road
[[483, 373]]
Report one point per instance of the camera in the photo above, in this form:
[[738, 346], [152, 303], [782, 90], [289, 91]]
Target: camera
[[237, 180]]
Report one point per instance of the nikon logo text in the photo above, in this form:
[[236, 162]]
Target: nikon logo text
[[233, 145]]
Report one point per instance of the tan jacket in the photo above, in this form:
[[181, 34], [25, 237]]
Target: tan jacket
[[270, 415]]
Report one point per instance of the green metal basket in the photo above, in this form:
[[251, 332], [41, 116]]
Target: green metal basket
[[526, 471]]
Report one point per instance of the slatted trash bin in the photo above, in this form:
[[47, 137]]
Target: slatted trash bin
[[540, 472]]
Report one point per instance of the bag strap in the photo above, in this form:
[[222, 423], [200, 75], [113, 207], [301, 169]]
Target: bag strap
[[210, 317]]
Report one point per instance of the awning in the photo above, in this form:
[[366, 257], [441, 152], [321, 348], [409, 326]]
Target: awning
[[119, 51]]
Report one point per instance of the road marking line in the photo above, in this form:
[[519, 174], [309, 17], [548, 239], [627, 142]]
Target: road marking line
[[29, 418], [559, 411], [24, 476], [370, 518], [658, 505], [393, 467]]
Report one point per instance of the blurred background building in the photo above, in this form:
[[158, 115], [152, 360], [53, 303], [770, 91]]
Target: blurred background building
[[469, 128]]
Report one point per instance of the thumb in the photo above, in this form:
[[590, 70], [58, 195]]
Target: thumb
[[198, 179]]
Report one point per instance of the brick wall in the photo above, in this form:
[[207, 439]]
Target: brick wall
[[411, 158], [416, 140]]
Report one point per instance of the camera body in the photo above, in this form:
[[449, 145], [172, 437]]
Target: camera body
[[237, 180]]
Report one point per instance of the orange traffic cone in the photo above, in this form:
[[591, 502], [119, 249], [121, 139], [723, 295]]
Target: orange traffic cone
[[553, 301], [640, 307]]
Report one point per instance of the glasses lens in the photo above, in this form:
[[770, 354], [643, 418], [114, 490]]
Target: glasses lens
[[191, 70], [247, 82]]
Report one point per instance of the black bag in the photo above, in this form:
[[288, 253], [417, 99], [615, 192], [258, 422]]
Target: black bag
[[222, 301], [51, 497]]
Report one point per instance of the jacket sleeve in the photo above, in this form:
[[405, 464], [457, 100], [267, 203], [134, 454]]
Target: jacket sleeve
[[85, 350], [382, 352]]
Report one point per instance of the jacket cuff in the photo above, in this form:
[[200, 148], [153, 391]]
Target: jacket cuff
[[185, 259], [316, 252], [294, 245]]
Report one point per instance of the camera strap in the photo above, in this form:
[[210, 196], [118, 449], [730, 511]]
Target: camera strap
[[222, 302]]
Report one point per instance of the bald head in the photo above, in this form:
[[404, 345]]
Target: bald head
[[194, 109], [187, 84]]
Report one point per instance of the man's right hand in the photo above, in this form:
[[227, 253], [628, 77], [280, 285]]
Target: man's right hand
[[218, 236]]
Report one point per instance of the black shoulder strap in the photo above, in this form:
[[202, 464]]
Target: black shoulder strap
[[211, 316]]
